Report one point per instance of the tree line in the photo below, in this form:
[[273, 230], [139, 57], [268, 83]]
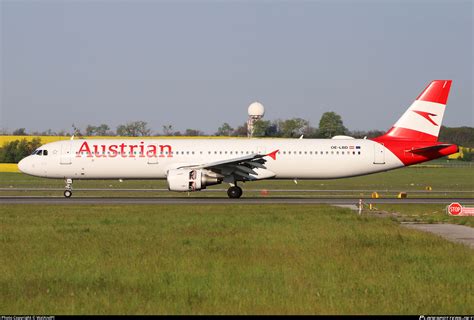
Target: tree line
[[14, 151], [330, 125]]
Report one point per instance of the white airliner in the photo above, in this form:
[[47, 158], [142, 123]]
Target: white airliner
[[194, 164]]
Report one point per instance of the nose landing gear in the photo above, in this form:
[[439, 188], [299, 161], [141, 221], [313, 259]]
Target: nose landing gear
[[68, 191]]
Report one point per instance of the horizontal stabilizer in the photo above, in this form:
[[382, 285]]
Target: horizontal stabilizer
[[430, 148]]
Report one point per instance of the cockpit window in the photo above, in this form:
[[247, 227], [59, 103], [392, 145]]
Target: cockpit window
[[40, 153]]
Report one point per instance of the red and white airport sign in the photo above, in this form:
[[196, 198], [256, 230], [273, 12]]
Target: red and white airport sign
[[456, 209]]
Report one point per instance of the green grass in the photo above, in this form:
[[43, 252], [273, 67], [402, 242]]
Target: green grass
[[246, 259], [407, 179], [426, 213]]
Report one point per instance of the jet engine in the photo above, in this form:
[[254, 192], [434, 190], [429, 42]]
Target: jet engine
[[191, 179]]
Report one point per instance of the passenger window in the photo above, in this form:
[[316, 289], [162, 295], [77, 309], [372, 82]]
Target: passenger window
[[45, 152]]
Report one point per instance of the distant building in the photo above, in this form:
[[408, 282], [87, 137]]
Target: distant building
[[256, 112]]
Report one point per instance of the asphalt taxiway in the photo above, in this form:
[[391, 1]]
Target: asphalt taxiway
[[451, 232], [222, 200]]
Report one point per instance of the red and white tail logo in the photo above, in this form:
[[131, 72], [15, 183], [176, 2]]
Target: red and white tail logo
[[423, 118]]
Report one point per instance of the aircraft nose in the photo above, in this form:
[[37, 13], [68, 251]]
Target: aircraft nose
[[21, 165], [25, 165]]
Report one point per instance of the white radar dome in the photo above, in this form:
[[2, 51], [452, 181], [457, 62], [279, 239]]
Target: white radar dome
[[256, 109]]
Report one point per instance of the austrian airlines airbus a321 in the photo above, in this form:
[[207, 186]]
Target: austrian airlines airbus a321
[[194, 164]]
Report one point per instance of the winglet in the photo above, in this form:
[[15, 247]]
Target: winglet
[[273, 154]]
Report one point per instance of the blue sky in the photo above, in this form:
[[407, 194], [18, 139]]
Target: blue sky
[[197, 64]]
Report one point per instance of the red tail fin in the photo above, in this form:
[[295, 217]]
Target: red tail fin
[[414, 137], [423, 118]]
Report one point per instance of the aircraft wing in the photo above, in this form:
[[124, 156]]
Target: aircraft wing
[[246, 168]]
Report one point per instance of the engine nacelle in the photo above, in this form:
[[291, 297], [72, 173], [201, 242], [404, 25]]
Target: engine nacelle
[[191, 179]]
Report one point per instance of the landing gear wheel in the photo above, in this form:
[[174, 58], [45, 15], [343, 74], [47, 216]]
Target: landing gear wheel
[[68, 187], [234, 192]]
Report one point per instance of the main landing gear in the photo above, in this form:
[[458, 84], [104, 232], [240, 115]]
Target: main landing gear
[[234, 192], [68, 191]]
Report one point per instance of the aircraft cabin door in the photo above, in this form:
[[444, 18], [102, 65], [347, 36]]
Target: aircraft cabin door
[[66, 153], [379, 153]]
